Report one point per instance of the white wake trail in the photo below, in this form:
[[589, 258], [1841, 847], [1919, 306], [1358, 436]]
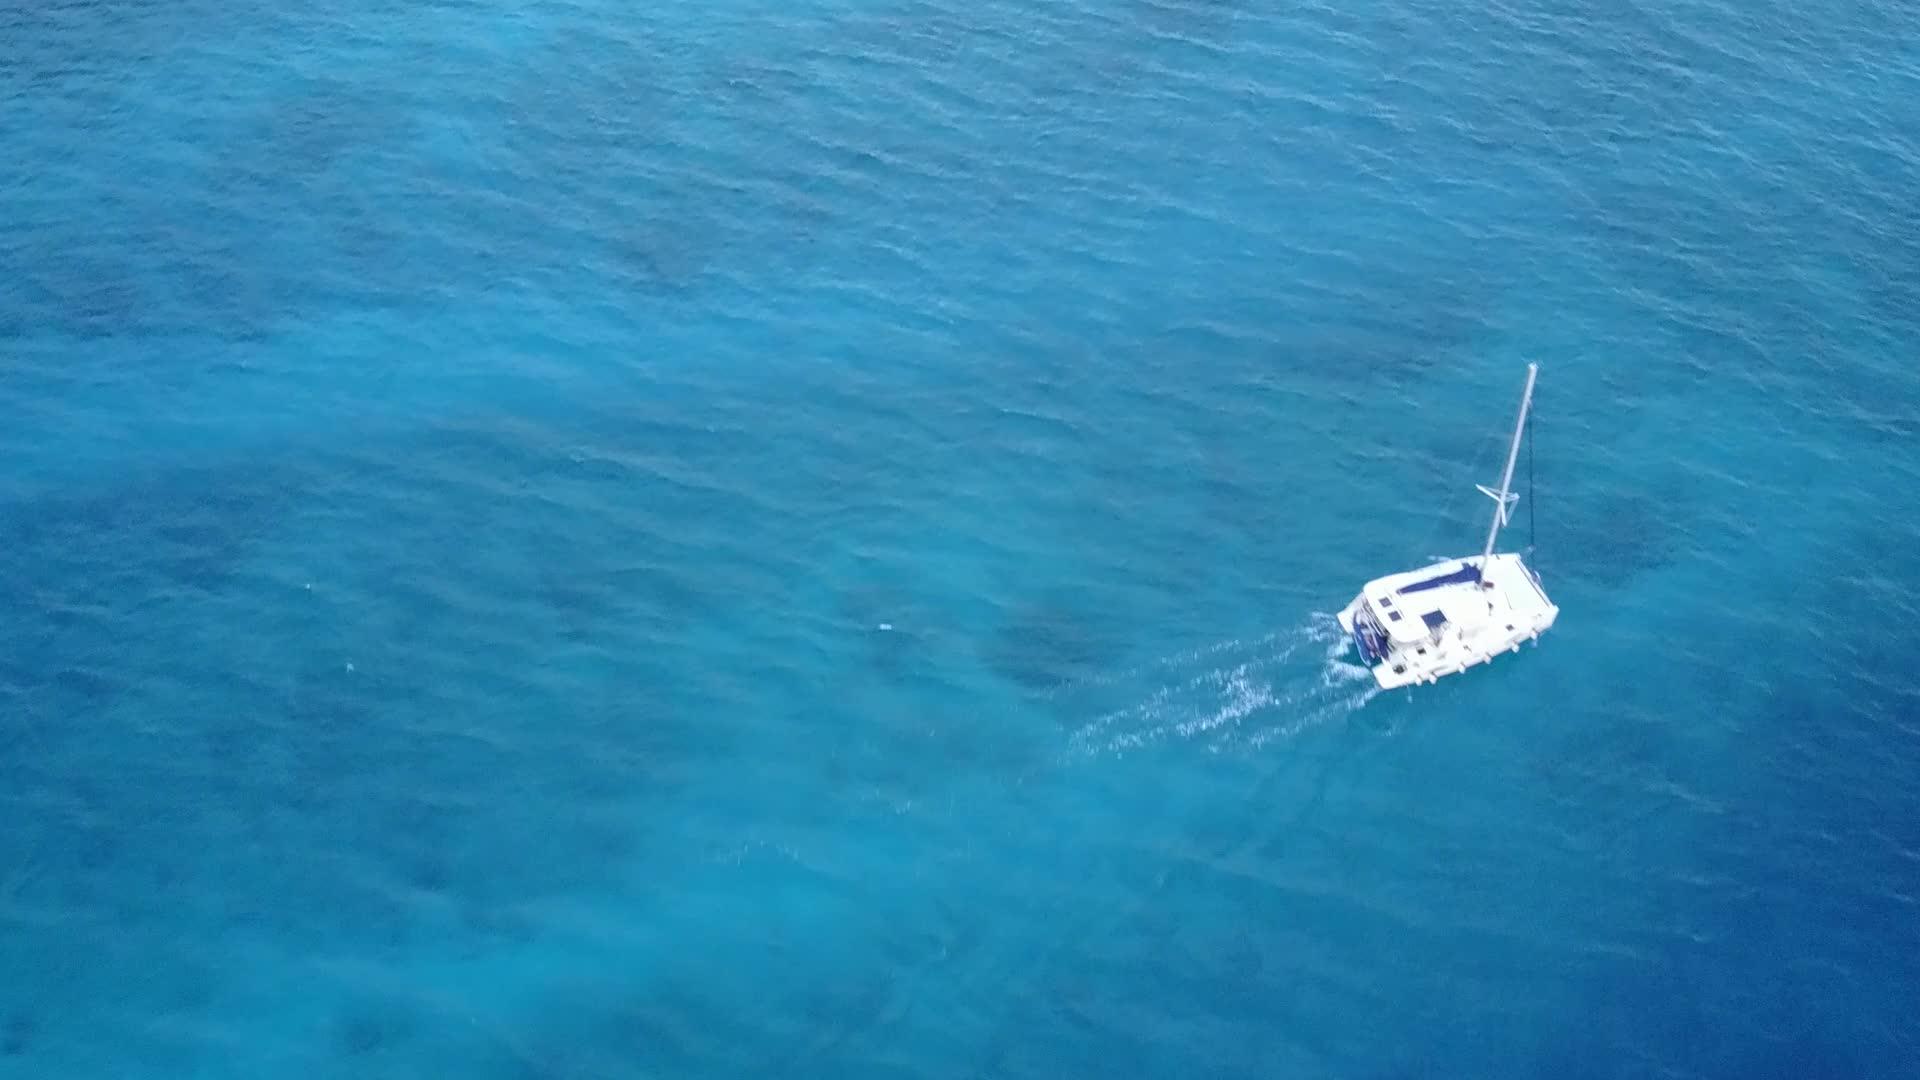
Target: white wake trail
[[1249, 693]]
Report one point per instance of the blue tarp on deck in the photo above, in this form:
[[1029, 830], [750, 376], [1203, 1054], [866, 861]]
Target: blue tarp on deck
[[1462, 576]]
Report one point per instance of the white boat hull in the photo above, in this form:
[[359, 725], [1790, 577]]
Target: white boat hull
[[1419, 626]]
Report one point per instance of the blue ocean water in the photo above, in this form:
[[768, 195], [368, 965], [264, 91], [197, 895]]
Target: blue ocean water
[[745, 539]]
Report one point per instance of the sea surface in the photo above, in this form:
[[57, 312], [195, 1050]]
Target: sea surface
[[743, 539]]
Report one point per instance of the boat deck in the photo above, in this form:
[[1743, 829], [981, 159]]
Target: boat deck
[[1446, 617]]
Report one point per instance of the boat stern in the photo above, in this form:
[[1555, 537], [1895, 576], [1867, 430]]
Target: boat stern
[[1370, 641]]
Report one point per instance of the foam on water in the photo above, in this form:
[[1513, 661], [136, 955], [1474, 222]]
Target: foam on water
[[1250, 693]]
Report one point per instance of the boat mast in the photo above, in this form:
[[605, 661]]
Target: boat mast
[[1504, 498]]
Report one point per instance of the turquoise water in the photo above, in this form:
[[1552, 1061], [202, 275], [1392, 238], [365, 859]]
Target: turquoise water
[[557, 540]]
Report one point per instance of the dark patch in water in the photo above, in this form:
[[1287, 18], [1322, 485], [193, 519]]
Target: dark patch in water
[[899, 655], [17, 1034], [84, 571], [158, 269], [90, 687], [1604, 537], [184, 528], [897, 646], [310, 131], [281, 220], [668, 254], [1609, 763], [1047, 644], [88, 294], [1408, 315], [1803, 1055], [369, 1027], [328, 703]]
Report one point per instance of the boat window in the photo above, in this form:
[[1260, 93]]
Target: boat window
[[1434, 620], [1395, 617]]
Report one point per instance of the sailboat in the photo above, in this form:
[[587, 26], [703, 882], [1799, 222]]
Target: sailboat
[[1418, 626]]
